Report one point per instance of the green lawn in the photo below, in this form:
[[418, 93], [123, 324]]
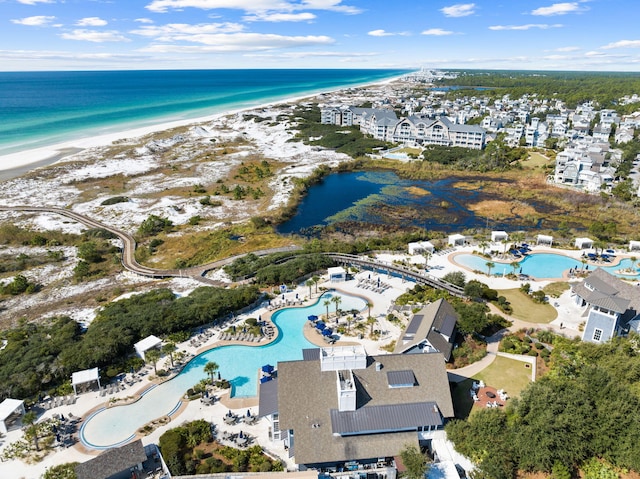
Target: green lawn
[[536, 160], [526, 309], [508, 374]]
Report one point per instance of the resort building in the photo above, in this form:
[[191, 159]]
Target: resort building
[[430, 330], [420, 130], [132, 460], [612, 306], [340, 408]]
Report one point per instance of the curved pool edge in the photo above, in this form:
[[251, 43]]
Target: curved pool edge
[[178, 409]]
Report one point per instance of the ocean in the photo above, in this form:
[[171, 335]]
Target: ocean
[[40, 109]]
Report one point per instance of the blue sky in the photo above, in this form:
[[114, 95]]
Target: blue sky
[[150, 34]]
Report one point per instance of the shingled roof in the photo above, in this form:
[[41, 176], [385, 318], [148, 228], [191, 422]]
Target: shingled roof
[[308, 404], [112, 461], [609, 292]]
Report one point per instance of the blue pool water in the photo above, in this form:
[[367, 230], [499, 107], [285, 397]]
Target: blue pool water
[[539, 265], [238, 364]]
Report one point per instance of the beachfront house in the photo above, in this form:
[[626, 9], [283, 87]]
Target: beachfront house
[[612, 306], [432, 329], [340, 409]]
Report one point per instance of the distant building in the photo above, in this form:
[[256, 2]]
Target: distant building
[[339, 405]]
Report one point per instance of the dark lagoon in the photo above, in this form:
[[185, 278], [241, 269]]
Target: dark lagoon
[[383, 198]]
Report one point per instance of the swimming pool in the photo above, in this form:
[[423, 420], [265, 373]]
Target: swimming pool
[[238, 364], [538, 265]]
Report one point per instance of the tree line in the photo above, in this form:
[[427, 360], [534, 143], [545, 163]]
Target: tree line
[[38, 358], [582, 415]]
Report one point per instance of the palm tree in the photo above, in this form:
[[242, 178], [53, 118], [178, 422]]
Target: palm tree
[[337, 300], [489, 265], [152, 356], [32, 428], [583, 261], [316, 280], [515, 265], [427, 257], [369, 305], [483, 246], [168, 349], [210, 368], [633, 260], [309, 283], [371, 321], [504, 243], [327, 303]]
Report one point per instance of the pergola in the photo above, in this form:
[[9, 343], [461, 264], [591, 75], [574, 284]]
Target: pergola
[[584, 243], [544, 239], [420, 247], [634, 245], [457, 239], [499, 236], [146, 344], [10, 409], [337, 274], [83, 377]]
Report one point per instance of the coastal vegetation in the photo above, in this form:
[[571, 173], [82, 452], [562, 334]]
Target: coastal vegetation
[[565, 419], [191, 449], [603, 88], [39, 358]]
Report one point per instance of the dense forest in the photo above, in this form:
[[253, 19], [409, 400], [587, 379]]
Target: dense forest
[[38, 358], [583, 414], [605, 88]]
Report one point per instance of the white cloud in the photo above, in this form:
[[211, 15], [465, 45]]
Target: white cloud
[[252, 6], [324, 54], [459, 10], [437, 32], [34, 2], [91, 22], [94, 36], [622, 44], [529, 26], [280, 17], [567, 49], [559, 9], [235, 42], [30, 55], [379, 33], [35, 21], [174, 31], [144, 20]]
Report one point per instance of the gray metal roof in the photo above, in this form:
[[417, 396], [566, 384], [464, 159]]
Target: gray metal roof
[[387, 418], [112, 461], [306, 396], [401, 378], [311, 354], [436, 323], [268, 398], [609, 292]]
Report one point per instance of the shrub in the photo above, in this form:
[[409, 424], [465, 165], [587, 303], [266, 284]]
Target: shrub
[[115, 200]]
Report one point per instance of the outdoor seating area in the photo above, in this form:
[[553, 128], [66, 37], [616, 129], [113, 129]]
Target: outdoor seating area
[[485, 396], [64, 429], [240, 439], [375, 285], [50, 403]]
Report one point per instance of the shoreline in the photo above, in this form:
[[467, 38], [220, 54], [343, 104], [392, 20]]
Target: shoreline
[[16, 164]]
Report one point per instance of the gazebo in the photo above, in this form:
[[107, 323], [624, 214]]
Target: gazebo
[[584, 243], [457, 239], [497, 236], [634, 245], [10, 411], [146, 344], [420, 247], [337, 274], [83, 377], [544, 239]]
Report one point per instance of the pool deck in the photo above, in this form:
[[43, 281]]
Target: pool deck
[[569, 316]]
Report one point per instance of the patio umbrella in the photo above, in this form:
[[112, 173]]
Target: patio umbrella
[[241, 435], [248, 413], [326, 332], [219, 377], [312, 317]]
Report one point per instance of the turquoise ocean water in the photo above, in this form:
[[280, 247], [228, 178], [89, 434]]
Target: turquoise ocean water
[[45, 108]]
